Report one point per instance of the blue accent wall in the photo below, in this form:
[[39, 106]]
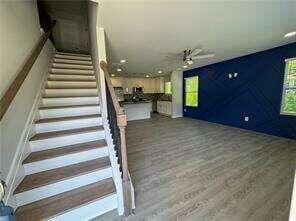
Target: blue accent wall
[[256, 92]]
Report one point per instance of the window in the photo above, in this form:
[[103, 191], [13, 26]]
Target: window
[[191, 91], [168, 87], [289, 91]]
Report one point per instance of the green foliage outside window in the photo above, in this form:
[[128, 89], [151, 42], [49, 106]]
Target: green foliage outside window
[[168, 88], [191, 91], [289, 95]]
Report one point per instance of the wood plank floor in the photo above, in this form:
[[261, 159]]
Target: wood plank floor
[[185, 169]]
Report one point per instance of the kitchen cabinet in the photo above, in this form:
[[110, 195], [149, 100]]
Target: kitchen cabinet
[[164, 107], [149, 85]]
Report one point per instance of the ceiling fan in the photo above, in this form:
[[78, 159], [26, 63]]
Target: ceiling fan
[[190, 55]]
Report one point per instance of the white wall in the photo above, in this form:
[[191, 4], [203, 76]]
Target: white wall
[[177, 94], [20, 32]]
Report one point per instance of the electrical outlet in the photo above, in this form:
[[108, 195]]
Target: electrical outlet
[[235, 75], [247, 118], [229, 75]]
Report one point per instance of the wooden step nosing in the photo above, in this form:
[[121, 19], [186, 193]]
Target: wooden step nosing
[[69, 74], [85, 204], [94, 147], [62, 179], [62, 119], [73, 54], [72, 64], [68, 107], [101, 194], [71, 81], [70, 88], [65, 133], [76, 69], [69, 96]]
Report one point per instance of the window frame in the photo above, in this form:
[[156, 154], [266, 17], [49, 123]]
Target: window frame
[[197, 92], [165, 83], [282, 112]]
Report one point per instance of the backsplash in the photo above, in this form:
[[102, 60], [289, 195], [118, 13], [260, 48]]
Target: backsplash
[[154, 97]]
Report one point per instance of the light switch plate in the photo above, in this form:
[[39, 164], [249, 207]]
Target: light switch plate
[[247, 118]]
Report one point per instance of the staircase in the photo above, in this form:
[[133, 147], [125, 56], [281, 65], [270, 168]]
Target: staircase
[[68, 172]]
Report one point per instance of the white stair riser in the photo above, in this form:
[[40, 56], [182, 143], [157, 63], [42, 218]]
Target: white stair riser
[[67, 84], [72, 66], [71, 71], [67, 112], [70, 77], [68, 124], [90, 210], [72, 57], [69, 61], [66, 160], [38, 145], [69, 101], [62, 186], [71, 92]]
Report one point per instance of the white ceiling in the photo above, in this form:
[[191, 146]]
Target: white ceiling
[[146, 33]]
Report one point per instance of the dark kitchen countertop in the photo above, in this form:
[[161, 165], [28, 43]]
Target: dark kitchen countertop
[[134, 102]]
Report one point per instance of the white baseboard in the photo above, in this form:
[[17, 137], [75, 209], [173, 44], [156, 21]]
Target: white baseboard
[[177, 116], [293, 202]]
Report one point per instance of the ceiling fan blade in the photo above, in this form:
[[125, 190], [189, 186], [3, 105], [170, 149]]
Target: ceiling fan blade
[[202, 56], [195, 52]]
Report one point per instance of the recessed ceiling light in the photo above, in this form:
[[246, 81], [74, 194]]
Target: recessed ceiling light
[[290, 34], [147, 76], [123, 61], [112, 75], [185, 66], [119, 69], [159, 72]]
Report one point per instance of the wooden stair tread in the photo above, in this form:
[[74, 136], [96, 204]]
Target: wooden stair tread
[[52, 206], [73, 54], [71, 80], [68, 96], [74, 68], [71, 87], [47, 177], [75, 58], [69, 106], [83, 66], [69, 61], [46, 135], [58, 119], [61, 151], [60, 73]]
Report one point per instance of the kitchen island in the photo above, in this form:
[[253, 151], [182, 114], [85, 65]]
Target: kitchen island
[[137, 110]]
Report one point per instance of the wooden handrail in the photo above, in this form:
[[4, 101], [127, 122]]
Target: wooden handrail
[[121, 123], [14, 87]]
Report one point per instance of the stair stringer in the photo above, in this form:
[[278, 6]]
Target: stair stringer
[[17, 171], [115, 167]]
